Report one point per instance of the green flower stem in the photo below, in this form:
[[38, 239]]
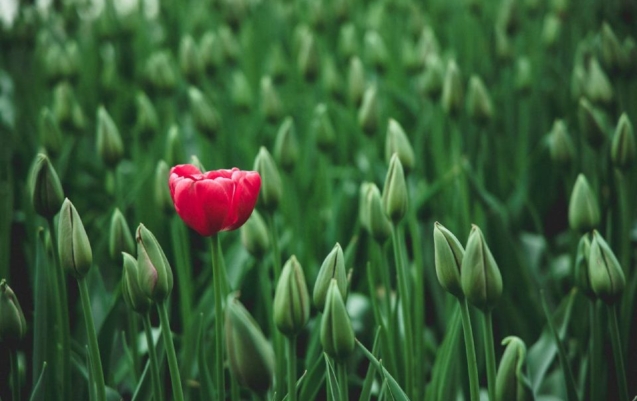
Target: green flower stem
[[266, 294], [490, 353], [15, 375], [341, 368], [276, 253], [594, 351], [181, 246], [472, 364], [133, 329], [405, 302], [152, 356], [234, 389], [178, 393], [277, 337], [617, 353], [388, 333], [217, 277], [291, 368], [419, 307], [96, 360], [62, 316]]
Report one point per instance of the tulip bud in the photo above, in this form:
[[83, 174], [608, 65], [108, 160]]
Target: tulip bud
[[333, 267], [597, 86], [109, 77], [291, 299], [160, 72], [155, 276], [452, 95], [623, 146], [551, 30], [322, 128], [13, 326], [240, 91], [511, 383], [375, 50], [503, 47], [448, 255], [205, 116], [210, 51], [583, 209], [250, 355], [254, 235], [613, 54], [523, 74], [271, 106], [189, 58], [397, 142], [120, 238], [355, 81], [479, 274], [67, 111], [368, 112], [479, 104], [231, 47], [76, 256], [337, 334], [629, 47], [428, 45], [379, 225], [174, 148], [47, 195], [606, 275], [591, 123], [50, 135], [331, 77], [271, 185], [308, 59], [395, 191], [131, 291], [286, 147], [277, 63], [347, 41], [363, 208], [161, 191], [560, 144], [582, 280], [147, 122], [109, 143], [430, 82], [508, 18]]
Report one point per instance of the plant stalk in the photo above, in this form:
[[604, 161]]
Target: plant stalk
[[617, 353], [152, 356], [472, 364], [489, 350], [291, 368], [96, 360], [173, 367], [217, 277], [277, 337]]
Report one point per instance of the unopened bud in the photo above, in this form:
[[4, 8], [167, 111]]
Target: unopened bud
[[147, 122], [452, 94], [271, 185], [161, 191], [448, 255], [271, 106], [291, 299], [606, 275], [241, 92], [160, 72], [46, 190], [254, 235], [175, 153], [76, 256], [583, 209], [511, 383], [308, 58], [395, 196], [322, 127], [210, 51], [397, 142], [613, 54], [479, 103], [132, 293], [109, 142], [376, 221], [189, 58], [50, 135], [560, 144], [623, 146], [347, 41], [286, 147], [368, 112], [333, 267], [597, 86], [523, 74], [479, 274], [205, 116], [355, 81], [375, 50], [337, 334], [551, 30], [582, 280], [13, 326], [155, 276], [592, 123], [120, 238]]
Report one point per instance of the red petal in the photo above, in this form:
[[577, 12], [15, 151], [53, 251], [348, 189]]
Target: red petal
[[245, 197], [202, 205]]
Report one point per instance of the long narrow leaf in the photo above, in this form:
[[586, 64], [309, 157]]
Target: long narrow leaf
[[397, 392], [332, 381]]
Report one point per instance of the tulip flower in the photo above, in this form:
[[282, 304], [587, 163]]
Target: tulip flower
[[220, 200]]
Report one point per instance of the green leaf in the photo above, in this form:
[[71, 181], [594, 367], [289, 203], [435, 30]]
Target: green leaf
[[395, 390], [204, 374], [366, 391], [332, 382], [39, 389], [314, 380], [444, 382]]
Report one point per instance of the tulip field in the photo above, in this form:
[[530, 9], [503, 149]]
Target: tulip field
[[297, 200]]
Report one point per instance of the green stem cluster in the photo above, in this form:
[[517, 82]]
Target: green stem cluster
[[472, 364], [96, 360], [173, 367], [152, 356], [217, 277]]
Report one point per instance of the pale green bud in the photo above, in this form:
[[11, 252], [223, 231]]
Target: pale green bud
[[378, 224], [76, 256], [363, 209], [448, 255], [582, 280], [623, 146], [508, 18], [154, 275], [250, 355], [161, 191], [190, 60], [50, 134], [66, 109], [597, 86], [375, 50], [337, 334], [395, 196], [347, 41], [277, 63], [110, 147], [109, 77], [229, 43], [147, 122], [428, 45], [333, 267], [160, 72], [46, 190], [397, 142], [241, 92], [120, 239], [368, 112], [430, 82], [271, 184], [592, 123], [551, 30], [452, 94], [511, 384], [479, 274], [322, 127], [286, 147], [175, 153], [13, 326], [355, 81], [308, 57], [523, 74], [560, 144], [254, 235], [331, 77], [271, 106], [210, 51], [503, 46], [132, 293], [583, 209], [479, 105], [205, 116], [291, 299], [613, 54], [606, 275]]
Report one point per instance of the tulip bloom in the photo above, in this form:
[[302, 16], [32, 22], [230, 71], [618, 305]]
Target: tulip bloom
[[220, 200]]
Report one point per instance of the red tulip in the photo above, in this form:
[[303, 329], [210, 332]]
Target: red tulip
[[220, 200]]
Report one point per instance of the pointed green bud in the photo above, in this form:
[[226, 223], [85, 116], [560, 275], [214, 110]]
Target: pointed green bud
[[46, 190], [160, 72], [66, 110], [155, 276], [210, 51], [110, 147], [379, 225], [50, 134], [452, 94], [582, 280], [592, 123], [363, 207], [322, 128], [337, 334], [448, 255], [277, 63], [597, 87], [120, 239], [428, 45], [331, 77], [560, 144], [551, 30], [430, 82], [291, 299], [333, 267], [189, 58], [205, 116], [254, 235], [109, 78], [503, 46], [355, 81], [132, 293], [240, 91], [397, 142], [523, 74], [271, 106], [508, 17], [147, 122], [395, 194], [13, 326], [175, 153], [308, 57], [613, 55], [250, 355], [286, 147], [76, 256], [629, 47], [479, 274], [229, 43], [623, 146], [606, 275], [347, 41], [511, 383], [368, 112], [479, 105], [161, 192], [583, 209], [271, 184], [375, 50]]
